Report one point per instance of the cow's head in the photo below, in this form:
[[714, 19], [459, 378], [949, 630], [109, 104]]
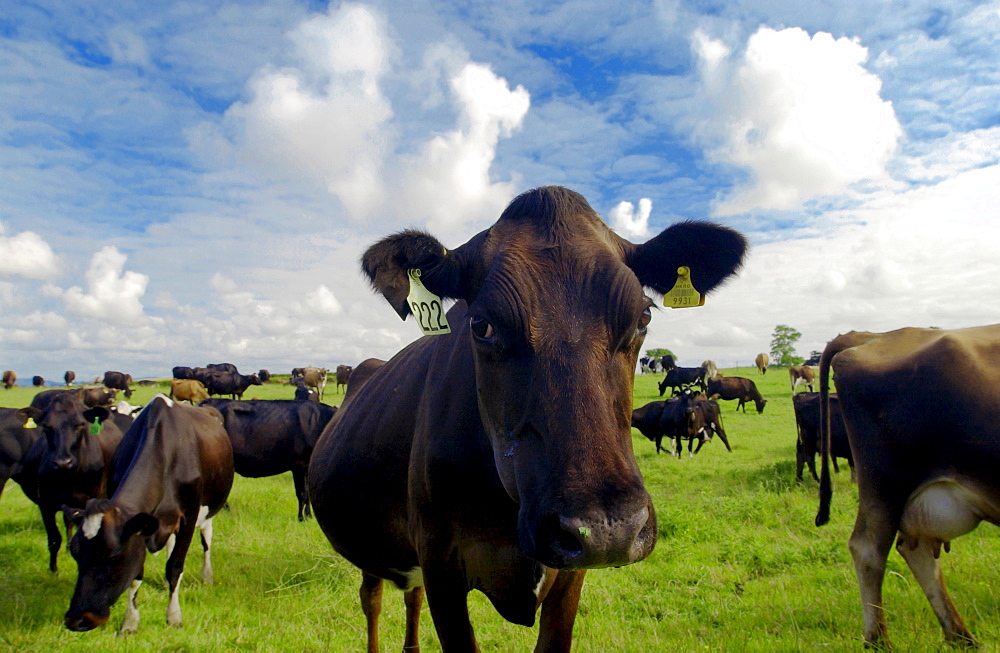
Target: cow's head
[[66, 425], [557, 316], [109, 550]]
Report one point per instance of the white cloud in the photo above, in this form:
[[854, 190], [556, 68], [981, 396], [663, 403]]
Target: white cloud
[[323, 302], [26, 255], [112, 294], [628, 223], [801, 114]]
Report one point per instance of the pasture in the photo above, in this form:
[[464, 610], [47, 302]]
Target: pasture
[[739, 565]]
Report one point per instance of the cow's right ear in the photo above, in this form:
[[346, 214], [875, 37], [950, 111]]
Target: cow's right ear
[[144, 524], [72, 515], [447, 273], [29, 413]]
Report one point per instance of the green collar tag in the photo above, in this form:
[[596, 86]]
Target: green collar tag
[[95, 428], [426, 307], [683, 294]]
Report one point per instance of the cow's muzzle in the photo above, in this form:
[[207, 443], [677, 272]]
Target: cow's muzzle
[[84, 621], [595, 540]]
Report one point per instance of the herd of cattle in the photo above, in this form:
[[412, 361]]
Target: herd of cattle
[[495, 456]]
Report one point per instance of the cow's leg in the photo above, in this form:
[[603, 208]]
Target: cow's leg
[[207, 530], [659, 439], [131, 622], [175, 571], [833, 459], [54, 537], [414, 599], [371, 606], [922, 557], [678, 446], [447, 597], [870, 543], [559, 612], [299, 478]]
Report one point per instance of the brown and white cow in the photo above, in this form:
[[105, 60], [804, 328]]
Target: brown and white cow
[[9, 379], [498, 457], [927, 449], [762, 361], [315, 377], [801, 375], [170, 476]]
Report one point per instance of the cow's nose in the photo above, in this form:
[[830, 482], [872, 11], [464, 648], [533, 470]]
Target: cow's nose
[[66, 462], [83, 621], [571, 542]]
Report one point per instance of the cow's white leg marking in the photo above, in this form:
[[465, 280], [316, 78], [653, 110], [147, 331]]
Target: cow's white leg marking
[[169, 546], [207, 577], [92, 525], [174, 607], [414, 577], [131, 622], [541, 583]]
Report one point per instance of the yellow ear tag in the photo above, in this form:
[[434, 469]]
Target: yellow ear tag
[[30, 424], [95, 428], [426, 307], [683, 294]]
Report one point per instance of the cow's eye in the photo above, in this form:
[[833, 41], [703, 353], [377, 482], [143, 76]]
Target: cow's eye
[[481, 329], [644, 319]]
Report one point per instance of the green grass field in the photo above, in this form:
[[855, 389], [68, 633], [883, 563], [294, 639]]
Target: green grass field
[[739, 566]]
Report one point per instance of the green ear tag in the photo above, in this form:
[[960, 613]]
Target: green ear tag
[[683, 294], [30, 424], [95, 428], [426, 307]]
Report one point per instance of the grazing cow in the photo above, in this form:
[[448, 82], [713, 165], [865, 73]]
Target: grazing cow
[[670, 419], [296, 376], [37, 381], [270, 437], [801, 375], [9, 379], [182, 372], [170, 476], [466, 461], [736, 387], [68, 464], [668, 363], [227, 383], [190, 390], [708, 419], [762, 362], [302, 393], [682, 378], [343, 375], [69, 377], [119, 381], [926, 450], [315, 377], [100, 396], [806, 406], [264, 376], [17, 435]]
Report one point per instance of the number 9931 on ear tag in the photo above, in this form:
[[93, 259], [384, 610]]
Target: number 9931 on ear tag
[[426, 307], [683, 294]]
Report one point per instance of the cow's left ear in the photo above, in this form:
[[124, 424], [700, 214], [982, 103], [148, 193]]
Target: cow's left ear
[[445, 272], [72, 515], [143, 523], [99, 412], [712, 252]]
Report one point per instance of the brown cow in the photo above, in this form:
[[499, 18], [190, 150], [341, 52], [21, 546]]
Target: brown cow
[[927, 450], [736, 387], [801, 375], [498, 457], [315, 377], [343, 375], [188, 390], [9, 379], [762, 362], [170, 476]]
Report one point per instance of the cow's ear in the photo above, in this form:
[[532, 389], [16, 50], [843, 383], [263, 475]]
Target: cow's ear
[[712, 253], [72, 515], [29, 413], [445, 272], [143, 523], [99, 412]]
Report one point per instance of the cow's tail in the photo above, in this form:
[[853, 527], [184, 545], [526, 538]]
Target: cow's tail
[[834, 347]]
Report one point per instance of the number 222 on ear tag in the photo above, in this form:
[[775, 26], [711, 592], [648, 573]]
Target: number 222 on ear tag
[[426, 307], [683, 294]]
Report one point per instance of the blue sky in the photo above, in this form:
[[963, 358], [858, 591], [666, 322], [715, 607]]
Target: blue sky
[[185, 183]]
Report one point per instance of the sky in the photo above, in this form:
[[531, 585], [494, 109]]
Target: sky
[[184, 183]]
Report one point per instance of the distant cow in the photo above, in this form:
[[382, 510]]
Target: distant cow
[[69, 377], [668, 363], [17, 435], [170, 476], [190, 390], [223, 367], [736, 387], [119, 381], [708, 421], [264, 376], [99, 396], [182, 372], [343, 375], [9, 379], [926, 445], [648, 364], [672, 419], [681, 378], [226, 383], [37, 381], [315, 377], [270, 437], [761, 362], [296, 376], [302, 393], [801, 375], [711, 369], [807, 445], [68, 465]]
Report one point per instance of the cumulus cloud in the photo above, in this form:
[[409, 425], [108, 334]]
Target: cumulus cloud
[[628, 223], [113, 294], [26, 255], [800, 113]]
